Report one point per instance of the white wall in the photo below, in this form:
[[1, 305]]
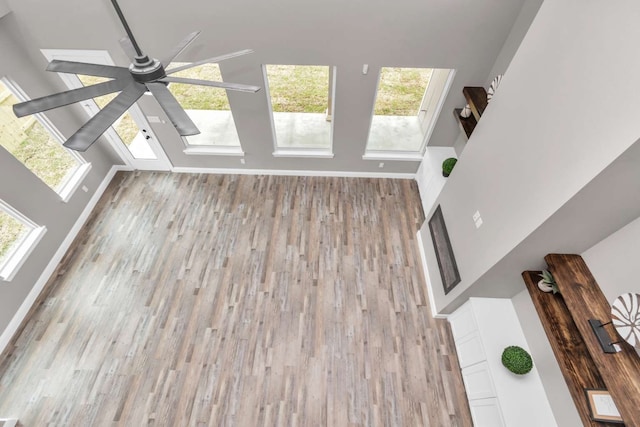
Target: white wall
[[4, 8], [614, 261], [516, 35], [564, 112], [464, 35]]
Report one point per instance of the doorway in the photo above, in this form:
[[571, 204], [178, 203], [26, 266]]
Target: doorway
[[131, 135]]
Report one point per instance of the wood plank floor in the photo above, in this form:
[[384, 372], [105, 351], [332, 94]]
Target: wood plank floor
[[195, 300]]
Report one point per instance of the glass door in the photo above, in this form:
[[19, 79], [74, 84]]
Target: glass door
[[131, 136]]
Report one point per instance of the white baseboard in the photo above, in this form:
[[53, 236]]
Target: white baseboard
[[342, 174], [427, 282], [31, 298]]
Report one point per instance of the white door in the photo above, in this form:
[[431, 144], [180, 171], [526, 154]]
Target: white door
[[131, 136]]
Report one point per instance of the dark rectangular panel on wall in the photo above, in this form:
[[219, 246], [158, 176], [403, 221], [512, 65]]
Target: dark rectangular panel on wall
[[444, 252]]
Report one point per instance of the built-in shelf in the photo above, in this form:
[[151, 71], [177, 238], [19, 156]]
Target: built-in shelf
[[565, 318], [477, 99], [466, 125]]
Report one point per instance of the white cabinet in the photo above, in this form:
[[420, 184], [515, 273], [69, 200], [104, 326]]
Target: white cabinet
[[469, 349], [482, 328], [477, 381], [486, 412]]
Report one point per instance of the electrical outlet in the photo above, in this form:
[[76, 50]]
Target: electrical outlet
[[242, 161], [365, 69], [476, 216], [85, 188], [381, 165]]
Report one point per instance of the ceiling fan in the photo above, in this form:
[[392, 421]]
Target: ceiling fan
[[144, 74]]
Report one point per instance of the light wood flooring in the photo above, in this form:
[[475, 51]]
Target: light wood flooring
[[195, 300]]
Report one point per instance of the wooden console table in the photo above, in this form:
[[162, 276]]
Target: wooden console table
[[565, 317]]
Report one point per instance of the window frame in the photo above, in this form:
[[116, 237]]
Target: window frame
[[326, 153], [21, 249], [432, 116], [211, 149], [73, 180]]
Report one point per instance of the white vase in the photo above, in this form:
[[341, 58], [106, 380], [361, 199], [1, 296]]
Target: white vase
[[544, 287]]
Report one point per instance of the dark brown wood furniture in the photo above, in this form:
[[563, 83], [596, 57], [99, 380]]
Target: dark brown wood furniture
[[565, 318], [477, 99]]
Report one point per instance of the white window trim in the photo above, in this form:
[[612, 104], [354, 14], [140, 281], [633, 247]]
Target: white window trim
[[21, 250], [410, 155], [212, 150], [327, 152], [73, 182], [69, 186], [303, 152]]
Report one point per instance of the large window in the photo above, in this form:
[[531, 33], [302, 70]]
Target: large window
[[18, 237], [407, 103], [301, 105], [209, 109], [35, 142]]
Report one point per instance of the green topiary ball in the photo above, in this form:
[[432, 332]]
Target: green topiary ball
[[517, 360], [447, 166]]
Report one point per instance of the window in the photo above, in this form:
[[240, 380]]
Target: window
[[408, 101], [300, 103], [18, 237], [209, 109], [37, 144]]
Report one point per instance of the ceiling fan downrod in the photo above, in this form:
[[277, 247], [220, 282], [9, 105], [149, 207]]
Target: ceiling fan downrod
[[144, 69]]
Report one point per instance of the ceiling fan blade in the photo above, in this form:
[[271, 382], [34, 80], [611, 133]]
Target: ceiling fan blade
[[210, 60], [184, 125], [98, 124], [179, 48], [45, 103], [232, 86], [127, 47], [109, 71]]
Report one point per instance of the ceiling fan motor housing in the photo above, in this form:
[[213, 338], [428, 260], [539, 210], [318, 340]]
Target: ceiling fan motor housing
[[145, 70]]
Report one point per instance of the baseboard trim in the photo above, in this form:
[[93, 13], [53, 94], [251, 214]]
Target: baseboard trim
[[23, 311], [423, 257], [341, 174]]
